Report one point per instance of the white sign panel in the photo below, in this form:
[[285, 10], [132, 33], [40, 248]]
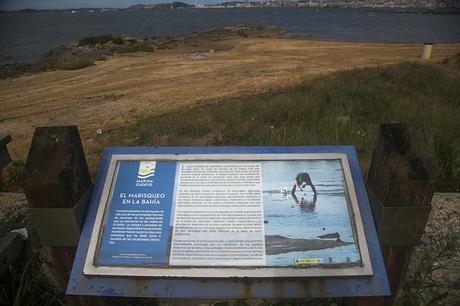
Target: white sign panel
[[233, 215]]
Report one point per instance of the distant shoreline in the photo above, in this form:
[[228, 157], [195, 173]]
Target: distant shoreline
[[26, 36], [402, 9], [87, 50], [75, 55]]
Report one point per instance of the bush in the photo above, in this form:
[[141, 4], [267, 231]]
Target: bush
[[452, 61], [102, 39], [77, 64], [456, 60], [117, 40], [12, 177], [137, 47]]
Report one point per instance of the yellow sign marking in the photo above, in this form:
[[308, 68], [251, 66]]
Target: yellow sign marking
[[307, 261]]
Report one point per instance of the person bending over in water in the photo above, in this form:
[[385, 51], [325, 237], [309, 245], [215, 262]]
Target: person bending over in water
[[301, 181]]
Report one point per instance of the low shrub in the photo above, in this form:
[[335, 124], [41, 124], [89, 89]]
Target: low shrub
[[132, 48], [452, 61], [12, 177], [102, 39], [117, 40], [77, 64]]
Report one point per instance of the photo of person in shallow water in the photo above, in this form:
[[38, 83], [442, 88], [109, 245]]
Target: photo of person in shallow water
[[301, 181], [306, 213]]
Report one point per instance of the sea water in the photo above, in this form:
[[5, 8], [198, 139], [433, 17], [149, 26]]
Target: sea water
[[24, 37]]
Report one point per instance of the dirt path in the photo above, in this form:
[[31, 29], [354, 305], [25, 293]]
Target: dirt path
[[127, 87]]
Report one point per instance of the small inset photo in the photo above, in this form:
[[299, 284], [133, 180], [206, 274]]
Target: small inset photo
[[307, 219]]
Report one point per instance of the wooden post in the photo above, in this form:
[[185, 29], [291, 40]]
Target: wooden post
[[5, 158], [57, 176], [402, 173]]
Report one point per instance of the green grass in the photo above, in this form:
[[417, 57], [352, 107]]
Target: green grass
[[25, 284], [453, 61], [12, 177], [77, 64], [136, 47], [102, 39], [421, 289], [341, 108], [456, 60]]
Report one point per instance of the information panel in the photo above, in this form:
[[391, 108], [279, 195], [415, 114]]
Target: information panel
[[228, 215]]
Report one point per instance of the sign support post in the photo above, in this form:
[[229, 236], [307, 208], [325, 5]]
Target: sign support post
[[402, 178], [57, 177], [5, 158]]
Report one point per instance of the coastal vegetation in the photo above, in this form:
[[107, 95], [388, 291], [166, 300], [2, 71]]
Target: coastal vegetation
[[133, 48], [85, 53], [77, 64], [87, 50], [12, 177], [102, 39], [345, 107], [453, 61]]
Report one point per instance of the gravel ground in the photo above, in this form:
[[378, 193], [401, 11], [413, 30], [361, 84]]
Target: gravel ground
[[444, 223]]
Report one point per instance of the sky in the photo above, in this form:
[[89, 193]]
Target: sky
[[9, 5]]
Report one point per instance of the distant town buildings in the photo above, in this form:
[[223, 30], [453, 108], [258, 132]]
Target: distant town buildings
[[309, 3], [422, 4], [336, 3]]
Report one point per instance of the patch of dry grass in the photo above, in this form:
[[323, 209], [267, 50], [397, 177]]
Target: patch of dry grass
[[341, 108]]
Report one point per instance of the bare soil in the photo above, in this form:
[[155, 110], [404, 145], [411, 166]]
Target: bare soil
[[126, 87]]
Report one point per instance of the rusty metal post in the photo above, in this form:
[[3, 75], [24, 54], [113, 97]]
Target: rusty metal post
[[402, 178], [57, 177]]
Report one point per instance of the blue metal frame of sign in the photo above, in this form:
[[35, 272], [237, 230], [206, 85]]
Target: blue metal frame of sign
[[289, 287]]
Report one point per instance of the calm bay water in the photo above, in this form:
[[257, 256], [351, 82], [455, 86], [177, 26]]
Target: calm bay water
[[24, 37]]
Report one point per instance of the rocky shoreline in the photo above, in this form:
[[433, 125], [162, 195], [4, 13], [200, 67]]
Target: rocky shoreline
[[92, 49]]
